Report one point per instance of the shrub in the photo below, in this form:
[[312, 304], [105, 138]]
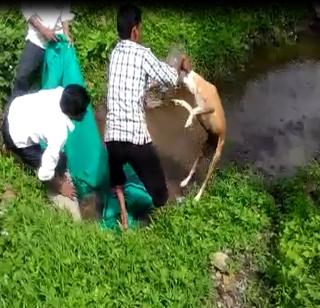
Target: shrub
[[12, 41], [217, 39]]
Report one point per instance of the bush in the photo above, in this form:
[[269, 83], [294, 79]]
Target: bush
[[12, 41], [217, 39]]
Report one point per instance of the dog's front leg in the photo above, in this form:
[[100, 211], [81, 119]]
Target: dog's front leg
[[189, 120], [197, 111], [183, 103], [202, 110]]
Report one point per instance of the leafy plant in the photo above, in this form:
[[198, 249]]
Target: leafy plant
[[217, 39], [11, 37]]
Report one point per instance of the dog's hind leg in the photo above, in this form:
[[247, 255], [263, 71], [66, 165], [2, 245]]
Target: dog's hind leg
[[212, 166], [185, 182]]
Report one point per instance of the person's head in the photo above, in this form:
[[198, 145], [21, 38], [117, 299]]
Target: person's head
[[129, 22], [74, 101]]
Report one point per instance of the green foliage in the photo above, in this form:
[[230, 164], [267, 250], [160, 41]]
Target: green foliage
[[12, 41], [47, 260], [217, 39], [296, 272]]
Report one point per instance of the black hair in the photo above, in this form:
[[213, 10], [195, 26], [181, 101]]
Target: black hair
[[128, 16], [74, 100]]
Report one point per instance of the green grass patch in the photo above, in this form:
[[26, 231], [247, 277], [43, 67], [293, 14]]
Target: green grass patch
[[47, 260], [296, 247]]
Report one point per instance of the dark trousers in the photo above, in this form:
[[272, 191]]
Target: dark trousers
[[28, 70], [145, 162]]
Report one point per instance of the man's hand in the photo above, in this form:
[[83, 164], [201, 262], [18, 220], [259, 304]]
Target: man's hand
[[69, 38], [67, 189], [153, 84], [66, 32], [49, 34]]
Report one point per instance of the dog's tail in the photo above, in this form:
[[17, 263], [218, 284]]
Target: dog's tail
[[213, 163]]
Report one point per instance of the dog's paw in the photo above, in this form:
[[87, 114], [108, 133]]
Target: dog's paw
[[189, 121], [197, 197], [184, 183], [177, 102]]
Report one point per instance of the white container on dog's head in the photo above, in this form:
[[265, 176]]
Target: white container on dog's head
[[174, 56], [189, 81]]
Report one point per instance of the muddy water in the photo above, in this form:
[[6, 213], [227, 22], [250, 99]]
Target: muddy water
[[272, 109]]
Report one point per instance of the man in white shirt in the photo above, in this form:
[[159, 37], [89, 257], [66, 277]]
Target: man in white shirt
[[44, 23], [131, 70], [45, 116]]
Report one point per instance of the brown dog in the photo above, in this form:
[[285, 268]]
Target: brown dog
[[210, 114]]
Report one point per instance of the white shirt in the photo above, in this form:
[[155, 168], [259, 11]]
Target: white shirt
[[50, 16], [132, 67], [38, 116]]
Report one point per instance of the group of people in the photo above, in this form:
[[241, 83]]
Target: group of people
[[48, 115]]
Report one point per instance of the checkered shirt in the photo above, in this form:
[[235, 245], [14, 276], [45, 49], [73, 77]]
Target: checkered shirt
[[131, 69]]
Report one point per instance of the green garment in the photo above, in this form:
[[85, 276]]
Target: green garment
[[87, 158]]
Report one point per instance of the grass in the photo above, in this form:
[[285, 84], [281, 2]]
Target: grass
[[48, 261], [296, 246]]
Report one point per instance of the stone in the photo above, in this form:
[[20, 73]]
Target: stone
[[219, 261]]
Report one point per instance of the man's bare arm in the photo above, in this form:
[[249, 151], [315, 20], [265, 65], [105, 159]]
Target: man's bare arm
[[66, 31], [46, 32]]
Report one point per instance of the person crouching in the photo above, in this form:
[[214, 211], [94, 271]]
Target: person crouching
[[46, 116]]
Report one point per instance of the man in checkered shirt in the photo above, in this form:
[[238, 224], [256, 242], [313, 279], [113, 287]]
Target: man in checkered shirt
[[132, 68]]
